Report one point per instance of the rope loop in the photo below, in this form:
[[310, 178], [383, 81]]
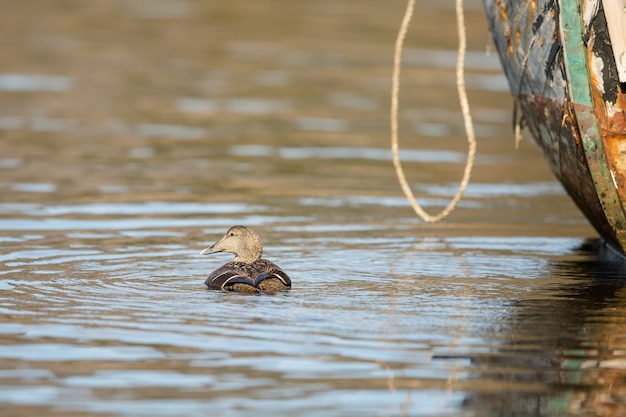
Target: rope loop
[[467, 118]]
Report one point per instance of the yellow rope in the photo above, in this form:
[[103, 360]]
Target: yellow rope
[[467, 118]]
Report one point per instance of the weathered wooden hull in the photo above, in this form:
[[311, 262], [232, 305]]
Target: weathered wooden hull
[[561, 69]]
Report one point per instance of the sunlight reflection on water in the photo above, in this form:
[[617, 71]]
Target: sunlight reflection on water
[[29, 83]]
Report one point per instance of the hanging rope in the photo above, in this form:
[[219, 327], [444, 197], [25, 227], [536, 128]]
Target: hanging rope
[[467, 118]]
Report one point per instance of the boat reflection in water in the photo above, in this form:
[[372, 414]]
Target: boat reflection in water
[[572, 364]]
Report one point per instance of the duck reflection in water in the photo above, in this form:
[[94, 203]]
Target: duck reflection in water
[[247, 272]]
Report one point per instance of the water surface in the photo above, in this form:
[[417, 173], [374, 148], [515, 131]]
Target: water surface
[[134, 133]]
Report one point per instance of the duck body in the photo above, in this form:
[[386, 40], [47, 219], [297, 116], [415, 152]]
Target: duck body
[[259, 276], [247, 272]]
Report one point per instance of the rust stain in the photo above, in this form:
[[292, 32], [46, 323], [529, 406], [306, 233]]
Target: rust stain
[[611, 115], [503, 16], [616, 123], [509, 47], [611, 118]]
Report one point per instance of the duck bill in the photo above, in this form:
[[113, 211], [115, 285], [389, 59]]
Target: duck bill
[[211, 249]]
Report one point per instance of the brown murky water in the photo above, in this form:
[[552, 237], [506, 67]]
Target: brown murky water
[[133, 133]]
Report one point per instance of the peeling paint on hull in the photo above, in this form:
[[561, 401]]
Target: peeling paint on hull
[[563, 77]]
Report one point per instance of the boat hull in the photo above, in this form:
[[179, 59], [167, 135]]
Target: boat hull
[[563, 78]]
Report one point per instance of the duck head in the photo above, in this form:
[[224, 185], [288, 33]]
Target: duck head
[[244, 242]]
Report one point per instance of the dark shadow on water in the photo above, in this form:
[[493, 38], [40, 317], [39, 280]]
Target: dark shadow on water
[[598, 260], [594, 278], [563, 348]]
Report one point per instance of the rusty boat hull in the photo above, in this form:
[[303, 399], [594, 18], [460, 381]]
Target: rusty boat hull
[[564, 74]]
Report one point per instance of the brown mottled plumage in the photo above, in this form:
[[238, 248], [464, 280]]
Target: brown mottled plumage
[[247, 272]]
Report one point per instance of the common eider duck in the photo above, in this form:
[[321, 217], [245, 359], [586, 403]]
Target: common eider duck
[[247, 272]]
